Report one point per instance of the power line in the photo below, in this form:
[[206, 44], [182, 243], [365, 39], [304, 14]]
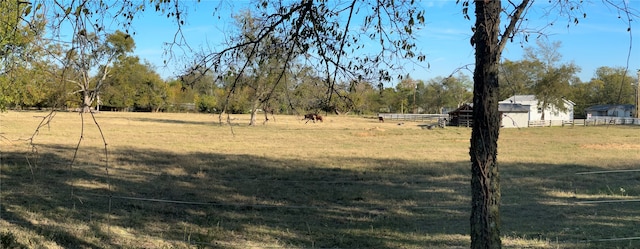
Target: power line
[[608, 171]]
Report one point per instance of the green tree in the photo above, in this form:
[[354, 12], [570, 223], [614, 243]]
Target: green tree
[[614, 86], [180, 98], [32, 86], [200, 87], [450, 92], [549, 80], [25, 68], [314, 35], [515, 77], [362, 95], [610, 85], [407, 89], [91, 53], [11, 42], [457, 90], [387, 100], [152, 93], [307, 90], [134, 85], [342, 102], [120, 88], [581, 94], [433, 95], [263, 68], [90, 48], [200, 80]]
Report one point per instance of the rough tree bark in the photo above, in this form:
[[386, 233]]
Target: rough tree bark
[[485, 176], [485, 179]]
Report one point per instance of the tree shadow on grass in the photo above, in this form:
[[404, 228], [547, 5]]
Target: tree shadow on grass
[[173, 121], [555, 203], [34, 200], [157, 198]]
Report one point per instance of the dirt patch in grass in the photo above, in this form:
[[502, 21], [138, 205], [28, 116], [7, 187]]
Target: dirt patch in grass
[[612, 146], [371, 132]]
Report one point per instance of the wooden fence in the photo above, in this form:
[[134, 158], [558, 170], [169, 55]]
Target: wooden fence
[[612, 121], [413, 117]]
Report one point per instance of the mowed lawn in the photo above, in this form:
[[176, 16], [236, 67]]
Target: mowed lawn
[[161, 180]]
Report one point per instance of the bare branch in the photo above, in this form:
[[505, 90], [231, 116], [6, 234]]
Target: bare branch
[[514, 19]]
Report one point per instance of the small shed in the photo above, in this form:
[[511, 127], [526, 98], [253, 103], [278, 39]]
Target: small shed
[[514, 115], [623, 111]]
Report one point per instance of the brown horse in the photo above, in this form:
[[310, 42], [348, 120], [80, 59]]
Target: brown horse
[[312, 117], [309, 117]]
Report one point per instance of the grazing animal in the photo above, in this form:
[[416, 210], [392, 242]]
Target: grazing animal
[[381, 119], [310, 117]]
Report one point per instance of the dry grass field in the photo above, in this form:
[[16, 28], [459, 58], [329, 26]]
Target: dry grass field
[[184, 181]]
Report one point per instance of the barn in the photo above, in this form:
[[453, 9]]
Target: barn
[[461, 116]]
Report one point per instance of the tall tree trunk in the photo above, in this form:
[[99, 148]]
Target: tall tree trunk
[[266, 108], [485, 179], [86, 101], [254, 110], [266, 115]]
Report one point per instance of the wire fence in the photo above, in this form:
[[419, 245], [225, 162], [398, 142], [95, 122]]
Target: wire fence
[[613, 201], [412, 117], [416, 183]]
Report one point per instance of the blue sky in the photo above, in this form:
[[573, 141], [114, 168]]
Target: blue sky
[[601, 39]]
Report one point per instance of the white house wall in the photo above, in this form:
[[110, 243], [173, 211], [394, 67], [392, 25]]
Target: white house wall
[[550, 113], [515, 120], [534, 114]]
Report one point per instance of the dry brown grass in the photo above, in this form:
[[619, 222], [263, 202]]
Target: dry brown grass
[[184, 181]]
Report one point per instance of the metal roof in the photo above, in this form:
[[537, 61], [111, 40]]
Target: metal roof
[[529, 98], [502, 107], [519, 98], [506, 107]]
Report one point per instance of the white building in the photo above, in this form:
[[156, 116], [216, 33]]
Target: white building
[[513, 115], [552, 114]]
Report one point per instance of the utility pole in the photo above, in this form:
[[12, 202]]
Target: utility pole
[[637, 114], [415, 89]]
